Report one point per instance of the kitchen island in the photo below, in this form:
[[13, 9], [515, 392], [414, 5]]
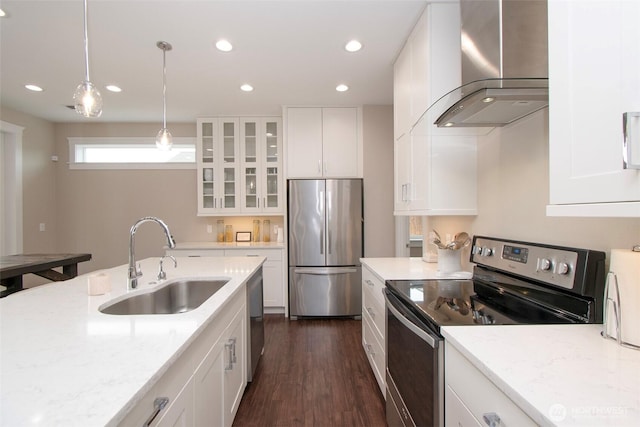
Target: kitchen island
[[64, 363], [558, 375]]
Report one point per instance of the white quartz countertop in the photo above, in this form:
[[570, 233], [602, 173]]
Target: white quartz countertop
[[408, 269], [560, 375], [63, 363], [228, 245]]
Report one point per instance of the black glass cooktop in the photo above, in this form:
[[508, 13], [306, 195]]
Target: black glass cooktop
[[448, 302], [445, 302]]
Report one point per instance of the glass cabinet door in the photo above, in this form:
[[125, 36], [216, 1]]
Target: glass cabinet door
[[272, 164], [207, 133], [249, 141], [230, 161]]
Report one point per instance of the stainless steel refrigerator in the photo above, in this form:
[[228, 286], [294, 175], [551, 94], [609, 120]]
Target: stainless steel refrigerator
[[325, 227]]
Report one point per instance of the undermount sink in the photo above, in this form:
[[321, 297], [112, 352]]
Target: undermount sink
[[175, 297]]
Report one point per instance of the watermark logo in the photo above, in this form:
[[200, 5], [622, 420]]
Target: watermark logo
[[559, 412]]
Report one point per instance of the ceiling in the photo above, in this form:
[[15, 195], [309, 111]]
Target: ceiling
[[292, 53]]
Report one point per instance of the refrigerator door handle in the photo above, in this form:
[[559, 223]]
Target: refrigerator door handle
[[321, 208], [326, 219], [325, 271]]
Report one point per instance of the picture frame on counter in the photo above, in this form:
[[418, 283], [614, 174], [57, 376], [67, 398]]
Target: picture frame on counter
[[243, 236]]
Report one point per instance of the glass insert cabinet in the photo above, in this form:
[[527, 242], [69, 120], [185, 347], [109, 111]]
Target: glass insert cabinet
[[239, 165]]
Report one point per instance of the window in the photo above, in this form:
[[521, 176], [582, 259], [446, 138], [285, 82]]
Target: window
[[130, 153]]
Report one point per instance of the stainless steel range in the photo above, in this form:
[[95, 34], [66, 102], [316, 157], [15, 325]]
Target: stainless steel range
[[513, 283]]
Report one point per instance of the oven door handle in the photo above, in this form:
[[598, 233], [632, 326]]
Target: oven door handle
[[425, 336]]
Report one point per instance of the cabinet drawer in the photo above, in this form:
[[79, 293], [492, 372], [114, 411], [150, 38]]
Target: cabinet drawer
[[375, 310], [373, 283], [195, 252], [170, 385], [374, 351], [458, 415], [478, 393], [270, 254]]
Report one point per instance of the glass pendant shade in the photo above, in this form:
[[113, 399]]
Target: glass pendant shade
[[164, 140], [87, 100]]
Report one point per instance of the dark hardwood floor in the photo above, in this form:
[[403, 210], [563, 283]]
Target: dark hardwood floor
[[313, 372]]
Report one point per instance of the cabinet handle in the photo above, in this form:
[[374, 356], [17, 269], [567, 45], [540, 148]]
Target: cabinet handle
[[230, 346], [158, 405], [491, 419], [371, 312], [369, 282], [319, 166], [631, 122], [370, 350]]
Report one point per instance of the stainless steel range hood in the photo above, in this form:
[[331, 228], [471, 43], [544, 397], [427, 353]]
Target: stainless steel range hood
[[504, 64]]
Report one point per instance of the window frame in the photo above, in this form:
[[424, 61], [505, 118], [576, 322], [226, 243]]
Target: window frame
[[123, 141]]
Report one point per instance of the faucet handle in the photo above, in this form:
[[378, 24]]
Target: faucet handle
[[138, 270]]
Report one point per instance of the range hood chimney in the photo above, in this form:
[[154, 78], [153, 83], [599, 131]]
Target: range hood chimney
[[504, 64]]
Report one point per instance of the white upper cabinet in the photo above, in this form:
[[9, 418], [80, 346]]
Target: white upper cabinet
[[261, 160], [324, 142], [217, 165], [402, 94], [239, 166], [594, 78], [435, 169]]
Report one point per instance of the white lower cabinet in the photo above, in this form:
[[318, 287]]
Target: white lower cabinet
[[205, 385], [457, 414], [373, 324], [272, 274], [471, 399], [219, 381], [180, 412]]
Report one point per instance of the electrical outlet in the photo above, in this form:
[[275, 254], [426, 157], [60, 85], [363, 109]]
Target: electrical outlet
[[209, 228], [42, 226]]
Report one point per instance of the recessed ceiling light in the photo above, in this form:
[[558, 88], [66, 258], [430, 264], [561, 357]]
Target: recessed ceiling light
[[353, 46], [224, 45], [113, 88], [246, 87], [34, 88], [2, 14], [342, 88]]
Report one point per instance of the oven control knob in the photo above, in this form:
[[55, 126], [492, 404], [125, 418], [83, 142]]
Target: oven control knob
[[545, 264], [563, 268], [486, 251]]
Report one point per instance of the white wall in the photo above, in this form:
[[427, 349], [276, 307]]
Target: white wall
[[513, 191], [379, 234]]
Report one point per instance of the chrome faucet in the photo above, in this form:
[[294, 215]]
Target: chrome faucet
[[161, 273], [134, 271]]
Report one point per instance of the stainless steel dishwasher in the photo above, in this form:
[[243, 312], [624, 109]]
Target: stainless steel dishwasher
[[255, 322]]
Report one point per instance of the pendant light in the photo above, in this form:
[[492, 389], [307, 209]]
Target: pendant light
[[164, 139], [87, 99]]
